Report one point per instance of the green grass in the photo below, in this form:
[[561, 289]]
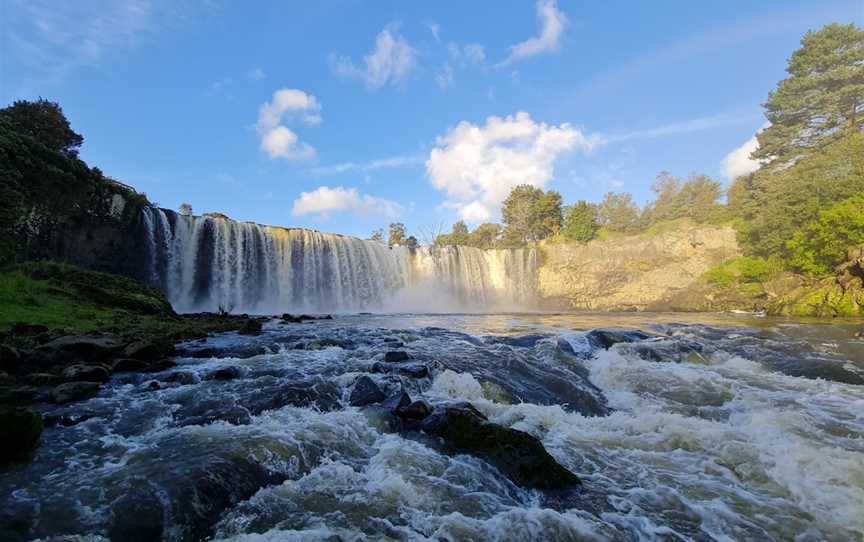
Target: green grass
[[70, 300]]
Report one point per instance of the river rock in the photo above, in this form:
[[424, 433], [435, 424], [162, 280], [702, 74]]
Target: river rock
[[396, 356], [136, 516], [43, 379], [417, 410], [127, 365], [250, 327], [83, 347], [273, 394], [19, 395], [10, 359], [366, 392], [145, 350], [225, 373], [396, 401], [518, 455], [74, 391], [606, 338], [86, 373], [19, 432], [412, 370]]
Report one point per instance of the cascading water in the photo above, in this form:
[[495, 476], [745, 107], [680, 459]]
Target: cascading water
[[211, 263]]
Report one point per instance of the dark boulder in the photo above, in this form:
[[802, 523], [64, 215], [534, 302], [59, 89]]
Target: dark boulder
[[666, 350], [366, 392], [74, 391], [273, 394], [86, 373], [519, 456], [19, 395], [129, 365], [821, 369], [417, 410], [91, 348], [43, 379], [606, 338], [207, 412], [183, 378], [412, 370], [137, 516], [225, 373], [396, 356], [19, 432], [146, 350], [250, 327], [159, 366], [396, 401], [10, 358]]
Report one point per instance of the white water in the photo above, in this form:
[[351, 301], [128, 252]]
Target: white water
[[208, 263]]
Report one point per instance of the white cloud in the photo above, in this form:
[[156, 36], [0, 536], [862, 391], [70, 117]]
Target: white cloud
[[738, 162], [552, 25], [389, 63], [372, 165], [444, 76], [277, 140], [257, 74], [325, 200], [477, 166], [435, 29], [472, 53], [51, 38]]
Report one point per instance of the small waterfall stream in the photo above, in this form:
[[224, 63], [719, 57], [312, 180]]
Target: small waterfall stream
[[212, 262]]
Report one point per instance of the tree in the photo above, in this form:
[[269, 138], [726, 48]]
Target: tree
[[547, 215], [459, 233], [531, 214], [698, 198], [618, 212], [185, 209], [519, 213], [667, 187], [43, 121], [580, 222], [485, 236], [377, 235], [822, 97], [397, 234], [822, 245]]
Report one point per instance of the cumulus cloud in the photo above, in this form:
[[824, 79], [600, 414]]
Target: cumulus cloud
[[389, 63], [277, 140], [477, 166], [552, 25], [325, 200], [738, 162]]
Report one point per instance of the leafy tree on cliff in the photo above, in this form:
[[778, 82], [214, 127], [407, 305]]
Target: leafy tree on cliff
[[618, 212], [377, 235], [822, 98], [43, 121], [580, 222], [485, 235], [531, 214], [697, 198], [397, 234], [821, 246]]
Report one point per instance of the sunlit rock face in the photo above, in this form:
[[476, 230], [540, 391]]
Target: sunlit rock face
[[211, 262]]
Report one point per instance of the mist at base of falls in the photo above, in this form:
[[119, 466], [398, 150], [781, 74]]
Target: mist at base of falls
[[211, 263]]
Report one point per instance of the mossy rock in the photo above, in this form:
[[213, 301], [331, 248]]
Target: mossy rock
[[20, 430]]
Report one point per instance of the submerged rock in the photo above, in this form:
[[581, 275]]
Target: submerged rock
[[19, 432], [606, 338], [396, 356], [412, 370], [225, 373], [366, 392], [417, 410], [272, 394], [74, 391], [518, 455]]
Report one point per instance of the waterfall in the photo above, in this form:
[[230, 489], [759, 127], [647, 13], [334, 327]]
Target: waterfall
[[208, 263]]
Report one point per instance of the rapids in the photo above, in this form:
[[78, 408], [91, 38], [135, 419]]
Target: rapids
[[712, 428], [207, 263]]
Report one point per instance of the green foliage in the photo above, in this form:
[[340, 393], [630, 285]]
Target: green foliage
[[485, 236], [377, 235], [530, 214], [822, 97], [772, 206], [819, 247], [397, 234], [43, 121], [618, 213], [742, 272], [580, 222], [697, 199]]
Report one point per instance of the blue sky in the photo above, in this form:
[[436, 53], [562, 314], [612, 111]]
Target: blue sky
[[346, 115]]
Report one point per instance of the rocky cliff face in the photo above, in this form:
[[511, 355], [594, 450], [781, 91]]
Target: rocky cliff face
[[638, 272]]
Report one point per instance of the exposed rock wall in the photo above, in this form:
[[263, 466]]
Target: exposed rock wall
[[635, 272]]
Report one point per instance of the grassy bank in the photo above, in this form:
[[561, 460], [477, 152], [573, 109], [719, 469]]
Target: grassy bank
[[69, 300]]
